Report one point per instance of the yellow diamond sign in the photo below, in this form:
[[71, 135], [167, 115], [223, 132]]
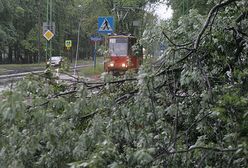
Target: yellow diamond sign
[[48, 35]]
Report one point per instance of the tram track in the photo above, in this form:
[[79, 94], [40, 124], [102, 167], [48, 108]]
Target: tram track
[[4, 79], [9, 78]]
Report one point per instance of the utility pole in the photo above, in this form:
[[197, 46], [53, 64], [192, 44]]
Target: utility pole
[[39, 31], [51, 22], [78, 35], [50, 27], [47, 24]]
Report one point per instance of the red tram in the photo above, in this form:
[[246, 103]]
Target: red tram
[[124, 53]]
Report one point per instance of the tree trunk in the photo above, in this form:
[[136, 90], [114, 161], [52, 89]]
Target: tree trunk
[[1, 58], [17, 54], [10, 59]]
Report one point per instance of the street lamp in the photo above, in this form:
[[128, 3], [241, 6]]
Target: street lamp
[[75, 64]]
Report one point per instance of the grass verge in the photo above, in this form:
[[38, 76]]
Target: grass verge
[[91, 71]]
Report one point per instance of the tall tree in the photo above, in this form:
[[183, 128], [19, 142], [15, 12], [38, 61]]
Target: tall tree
[[182, 7]]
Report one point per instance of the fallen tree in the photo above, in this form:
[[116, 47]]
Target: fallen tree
[[191, 110]]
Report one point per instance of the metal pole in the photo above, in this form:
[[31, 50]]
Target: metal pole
[[39, 31], [47, 24], [51, 22], [95, 57], [75, 65]]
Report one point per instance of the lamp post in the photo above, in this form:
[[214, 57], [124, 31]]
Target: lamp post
[[78, 34], [75, 65]]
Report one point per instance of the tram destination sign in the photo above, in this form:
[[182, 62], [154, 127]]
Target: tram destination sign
[[94, 38]]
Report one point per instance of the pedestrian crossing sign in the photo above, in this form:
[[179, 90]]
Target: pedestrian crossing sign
[[105, 24]]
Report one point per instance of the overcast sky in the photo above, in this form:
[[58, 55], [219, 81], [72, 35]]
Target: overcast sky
[[163, 11]]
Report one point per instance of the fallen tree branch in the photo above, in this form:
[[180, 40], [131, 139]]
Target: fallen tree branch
[[242, 16], [177, 45], [198, 39], [177, 62], [126, 96], [207, 22], [62, 94], [166, 152], [98, 85], [205, 148]]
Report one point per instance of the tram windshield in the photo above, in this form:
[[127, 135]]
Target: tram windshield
[[118, 46]]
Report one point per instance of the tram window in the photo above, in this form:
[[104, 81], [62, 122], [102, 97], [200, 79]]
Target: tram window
[[131, 43], [121, 40], [118, 47]]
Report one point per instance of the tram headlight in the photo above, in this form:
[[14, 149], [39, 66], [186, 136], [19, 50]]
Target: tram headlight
[[111, 64], [123, 65]]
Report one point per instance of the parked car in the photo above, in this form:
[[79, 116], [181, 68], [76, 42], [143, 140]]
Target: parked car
[[55, 61]]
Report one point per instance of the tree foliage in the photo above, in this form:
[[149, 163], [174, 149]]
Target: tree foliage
[[187, 109], [21, 38], [182, 7]]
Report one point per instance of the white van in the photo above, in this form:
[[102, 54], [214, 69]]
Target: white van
[[55, 61]]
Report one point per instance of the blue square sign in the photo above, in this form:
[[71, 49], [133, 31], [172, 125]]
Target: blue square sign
[[105, 24]]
